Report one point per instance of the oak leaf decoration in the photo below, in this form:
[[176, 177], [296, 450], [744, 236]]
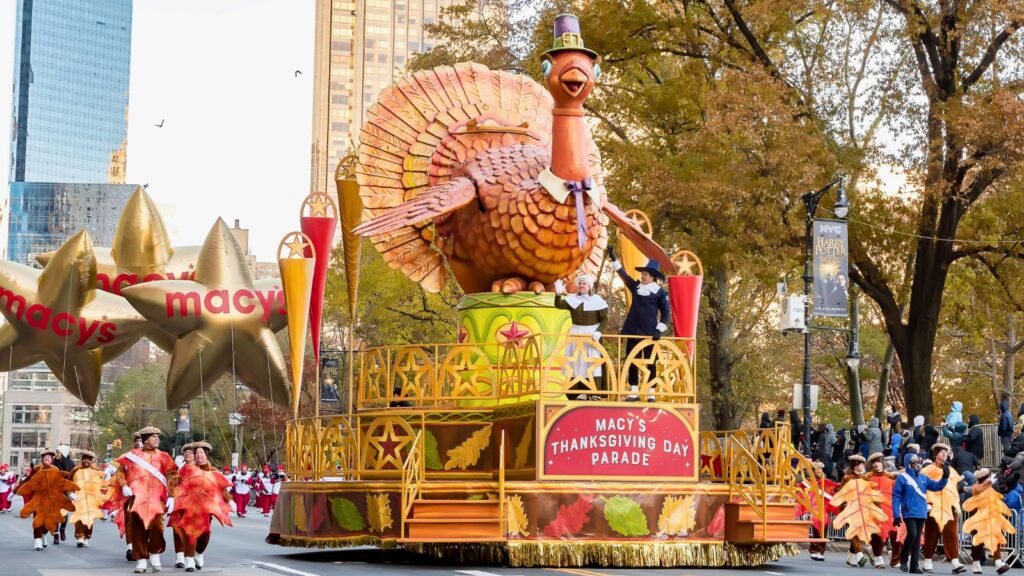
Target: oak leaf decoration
[[518, 522], [378, 512], [47, 488], [677, 516], [570, 519], [468, 453], [91, 494], [989, 522], [861, 514], [945, 504], [198, 499], [523, 448]]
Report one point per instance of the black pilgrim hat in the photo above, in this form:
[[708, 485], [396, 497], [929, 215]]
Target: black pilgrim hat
[[653, 268]]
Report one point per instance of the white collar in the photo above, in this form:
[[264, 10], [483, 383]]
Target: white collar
[[590, 302], [648, 289], [556, 187]]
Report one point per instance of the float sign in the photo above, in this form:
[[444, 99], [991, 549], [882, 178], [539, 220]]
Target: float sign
[[620, 442]]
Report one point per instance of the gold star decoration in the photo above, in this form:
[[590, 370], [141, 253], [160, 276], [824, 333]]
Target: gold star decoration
[[318, 204], [686, 261], [295, 241], [221, 320], [57, 316]]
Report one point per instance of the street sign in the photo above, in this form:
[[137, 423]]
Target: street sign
[[235, 419]]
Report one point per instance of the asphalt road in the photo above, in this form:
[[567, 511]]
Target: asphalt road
[[241, 551]]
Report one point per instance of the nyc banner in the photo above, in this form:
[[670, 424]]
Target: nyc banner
[[831, 268]]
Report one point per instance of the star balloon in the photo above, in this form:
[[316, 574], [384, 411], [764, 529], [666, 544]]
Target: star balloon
[[57, 316], [222, 321]]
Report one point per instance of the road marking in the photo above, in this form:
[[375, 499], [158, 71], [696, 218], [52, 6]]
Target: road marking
[[476, 573], [774, 573], [577, 571], [282, 569]]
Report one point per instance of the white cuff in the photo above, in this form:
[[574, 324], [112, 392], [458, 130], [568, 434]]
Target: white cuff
[[616, 265], [661, 327]]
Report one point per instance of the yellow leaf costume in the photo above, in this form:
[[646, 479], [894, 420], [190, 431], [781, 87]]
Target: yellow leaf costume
[[988, 523], [945, 505], [92, 493], [861, 514], [468, 453]]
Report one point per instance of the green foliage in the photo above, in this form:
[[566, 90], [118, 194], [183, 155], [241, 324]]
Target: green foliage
[[432, 458], [346, 514], [626, 516]]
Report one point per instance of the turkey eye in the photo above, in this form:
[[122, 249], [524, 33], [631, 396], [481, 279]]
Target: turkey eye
[[597, 71], [545, 68]]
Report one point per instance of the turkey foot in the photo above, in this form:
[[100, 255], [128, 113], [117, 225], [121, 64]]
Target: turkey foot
[[515, 285]]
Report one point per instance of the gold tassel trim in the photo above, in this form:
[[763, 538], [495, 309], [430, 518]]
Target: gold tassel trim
[[338, 542], [608, 554]]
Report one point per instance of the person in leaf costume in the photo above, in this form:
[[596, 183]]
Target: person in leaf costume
[[826, 488], [117, 504], [188, 456], [202, 494], [91, 493], [988, 524], [145, 474], [910, 506], [854, 471], [944, 515], [883, 482], [45, 491]]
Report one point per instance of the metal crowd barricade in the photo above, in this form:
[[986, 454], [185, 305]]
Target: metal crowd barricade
[[1011, 552]]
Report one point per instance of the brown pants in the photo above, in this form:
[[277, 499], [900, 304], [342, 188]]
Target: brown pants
[[82, 532], [39, 532], [856, 545], [978, 553], [146, 541], [127, 515], [187, 547], [950, 545], [878, 545], [817, 547]]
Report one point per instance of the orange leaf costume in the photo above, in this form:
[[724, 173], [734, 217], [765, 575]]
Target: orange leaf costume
[[884, 482], [149, 490], [198, 497], [826, 488], [45, 497], [861, 514], [989, 523]]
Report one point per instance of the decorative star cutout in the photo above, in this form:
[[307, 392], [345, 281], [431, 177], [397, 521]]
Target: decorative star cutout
[[318, 203], [387, 444], [57, 316], [221, 320], [296, 244], [685, 262]]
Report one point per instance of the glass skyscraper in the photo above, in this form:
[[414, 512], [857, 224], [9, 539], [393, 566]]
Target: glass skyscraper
[[71, 70]]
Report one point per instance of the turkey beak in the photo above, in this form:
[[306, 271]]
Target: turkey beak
[[573, 81]]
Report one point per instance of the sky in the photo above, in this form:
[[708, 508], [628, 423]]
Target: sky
[[236, 136]]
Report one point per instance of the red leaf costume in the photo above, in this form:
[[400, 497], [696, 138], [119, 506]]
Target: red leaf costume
[[827, 487], [884, 482], [199, 496], [150, 493], [44, 493]]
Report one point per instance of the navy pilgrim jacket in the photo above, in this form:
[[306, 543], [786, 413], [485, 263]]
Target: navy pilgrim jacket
[[643, 316]]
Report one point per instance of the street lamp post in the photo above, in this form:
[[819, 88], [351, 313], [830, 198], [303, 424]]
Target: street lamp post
[[841, 208]]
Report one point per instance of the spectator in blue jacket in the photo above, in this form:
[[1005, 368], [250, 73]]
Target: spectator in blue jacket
[[909, 507], [1005, 424]]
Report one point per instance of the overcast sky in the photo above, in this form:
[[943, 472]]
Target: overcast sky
[[236, 135]]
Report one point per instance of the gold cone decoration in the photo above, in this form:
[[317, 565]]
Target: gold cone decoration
[[630, 254], [57, 316], [351, 215], [297, 282], [222, 321]]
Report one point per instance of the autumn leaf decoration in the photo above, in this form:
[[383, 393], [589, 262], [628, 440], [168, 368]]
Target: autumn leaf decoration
[[523, 449], [988, 523], [47, 487], [518, 522], [626, 516], [468, 453], [92, 493], [378, 512], [945, 504], [677, 516], [299, 513], [571, 518], [199, 497], [431, 458], [347, 515], [861, 515]]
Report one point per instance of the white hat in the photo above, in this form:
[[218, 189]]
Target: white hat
[[918, 421], [589, 279], [64, 450]]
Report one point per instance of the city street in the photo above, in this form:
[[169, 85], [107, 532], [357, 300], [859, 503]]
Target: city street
[[241, 551]]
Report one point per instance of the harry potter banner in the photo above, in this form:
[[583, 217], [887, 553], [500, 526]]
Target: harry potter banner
[[831, 268]]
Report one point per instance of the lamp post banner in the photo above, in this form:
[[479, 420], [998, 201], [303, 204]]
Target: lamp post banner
[[831, 268]]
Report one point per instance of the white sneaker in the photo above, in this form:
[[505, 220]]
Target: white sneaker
[[86, 542], [38, 544], [1001, 567], [80, 543], [879, 563], [179, 559], [926, 565], [199, 561], [154, 563], [959, 568], [190, 564], [140, 566], [851, 559], [976, 567]]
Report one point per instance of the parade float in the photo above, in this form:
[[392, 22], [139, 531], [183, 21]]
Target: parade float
[[477, 450]]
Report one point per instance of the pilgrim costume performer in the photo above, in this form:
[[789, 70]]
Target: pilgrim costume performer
[[589, 313], [648, 314], [146, 474], [943, 505]]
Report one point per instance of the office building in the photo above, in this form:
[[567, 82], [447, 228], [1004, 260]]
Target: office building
[[362, 46]]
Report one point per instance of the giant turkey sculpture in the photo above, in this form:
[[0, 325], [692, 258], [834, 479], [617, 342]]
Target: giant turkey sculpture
[[488, 171]]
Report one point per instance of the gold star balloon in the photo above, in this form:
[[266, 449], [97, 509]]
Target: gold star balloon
[[57, 316], [222, 321]]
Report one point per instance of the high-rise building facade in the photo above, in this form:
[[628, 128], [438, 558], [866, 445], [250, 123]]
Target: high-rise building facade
[[71, 70], [362, 46]]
